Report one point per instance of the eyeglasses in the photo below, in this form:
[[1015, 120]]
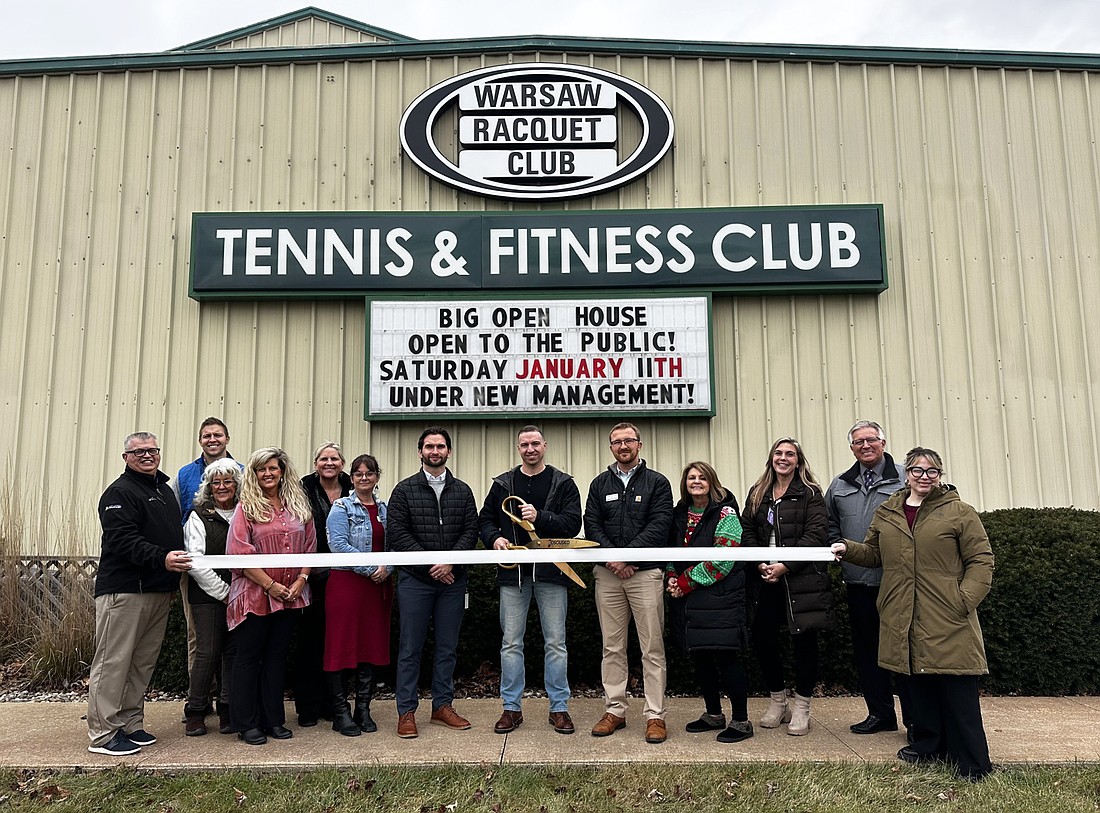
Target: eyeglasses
[[153, 452], [363, 475], [615, 444], [866, 442], [918, 472]]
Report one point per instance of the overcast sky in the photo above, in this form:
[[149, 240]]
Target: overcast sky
[[54, 28]]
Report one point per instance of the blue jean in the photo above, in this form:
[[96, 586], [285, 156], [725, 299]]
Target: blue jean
[[419, 605], [553, 602]]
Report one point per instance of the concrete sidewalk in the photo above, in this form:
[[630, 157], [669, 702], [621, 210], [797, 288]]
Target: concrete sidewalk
[[1020, 730]]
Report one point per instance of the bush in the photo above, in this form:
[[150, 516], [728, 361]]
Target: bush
[[1040, 619]]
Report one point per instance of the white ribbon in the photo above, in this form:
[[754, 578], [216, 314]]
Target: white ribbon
[[496, 557]]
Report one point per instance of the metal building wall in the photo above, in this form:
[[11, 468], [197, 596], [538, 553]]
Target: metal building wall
[[302, 34], [983, 346]]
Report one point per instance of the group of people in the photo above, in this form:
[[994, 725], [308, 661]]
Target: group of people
[[916, 562]]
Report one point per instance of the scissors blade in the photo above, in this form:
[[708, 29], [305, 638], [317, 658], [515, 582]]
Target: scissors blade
[[560, 544], [571, 573]]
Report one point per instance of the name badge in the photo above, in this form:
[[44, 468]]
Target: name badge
[[611, 498]]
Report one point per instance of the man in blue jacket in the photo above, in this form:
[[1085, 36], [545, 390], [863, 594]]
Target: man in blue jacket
[[851, 501], [553, 506], [214, 442], [140, 561]]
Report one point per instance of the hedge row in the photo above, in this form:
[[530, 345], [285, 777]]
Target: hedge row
[[1040, 620]]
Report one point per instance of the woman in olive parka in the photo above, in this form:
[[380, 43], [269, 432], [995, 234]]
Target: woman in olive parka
[[937, 566]]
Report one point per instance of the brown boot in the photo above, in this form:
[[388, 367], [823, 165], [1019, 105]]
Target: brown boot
[[195, 725]]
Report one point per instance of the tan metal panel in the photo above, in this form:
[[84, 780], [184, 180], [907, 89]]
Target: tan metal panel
[[982, 346], [303, 33]]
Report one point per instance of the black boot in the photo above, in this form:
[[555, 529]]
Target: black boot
[[364, 690], [224, 726], [338, 700]]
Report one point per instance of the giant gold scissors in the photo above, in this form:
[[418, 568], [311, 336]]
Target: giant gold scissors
[[544, 544]]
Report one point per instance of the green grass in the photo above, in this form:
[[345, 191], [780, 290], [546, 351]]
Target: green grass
[[760, 788]]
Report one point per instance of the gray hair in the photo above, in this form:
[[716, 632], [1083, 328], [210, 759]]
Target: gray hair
[[137, 436], [866, 425], [220, 467]]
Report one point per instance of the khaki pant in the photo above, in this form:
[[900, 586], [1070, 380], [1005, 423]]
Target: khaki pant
[[642, 595], [129, 629]]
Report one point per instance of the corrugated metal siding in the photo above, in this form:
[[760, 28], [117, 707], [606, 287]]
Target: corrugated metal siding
[[302, 34], [983, 346]]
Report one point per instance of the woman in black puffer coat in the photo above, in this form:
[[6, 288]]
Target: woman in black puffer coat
[[785, 508], [708, 613]]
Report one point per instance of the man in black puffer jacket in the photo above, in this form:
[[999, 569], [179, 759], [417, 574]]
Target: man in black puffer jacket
[[630, 506], [430, 511]]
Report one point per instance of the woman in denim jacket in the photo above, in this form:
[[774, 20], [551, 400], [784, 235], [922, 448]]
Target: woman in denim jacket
[[358, 601]]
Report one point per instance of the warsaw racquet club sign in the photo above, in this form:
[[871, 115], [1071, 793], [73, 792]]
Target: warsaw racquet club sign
[[537, 131]]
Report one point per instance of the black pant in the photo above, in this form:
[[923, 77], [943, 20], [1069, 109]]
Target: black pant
[[259, 670], [874, 681], [947, 722], [309, 655], [771, 614], [718, 671], [214, 651]]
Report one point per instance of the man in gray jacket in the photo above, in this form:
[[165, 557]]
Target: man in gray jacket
[[851, 502]]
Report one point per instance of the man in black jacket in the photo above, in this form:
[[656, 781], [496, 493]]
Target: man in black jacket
[[553, 506], [140, 561], [630, 506], [430, 511]]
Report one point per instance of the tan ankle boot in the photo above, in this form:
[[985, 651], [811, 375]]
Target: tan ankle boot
[[778, 711], [800, 719]]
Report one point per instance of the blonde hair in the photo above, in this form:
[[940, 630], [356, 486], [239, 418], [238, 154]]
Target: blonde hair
[[252, 500], [768, 479]]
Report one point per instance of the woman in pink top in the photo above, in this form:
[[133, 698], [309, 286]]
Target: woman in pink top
[[264, 603]]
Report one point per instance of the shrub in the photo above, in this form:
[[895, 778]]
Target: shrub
[[1040, 619]]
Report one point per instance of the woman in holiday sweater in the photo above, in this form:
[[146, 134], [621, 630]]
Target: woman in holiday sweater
[[708, 609]]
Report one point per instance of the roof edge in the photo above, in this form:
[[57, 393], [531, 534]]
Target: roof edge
[[586, 45], [291, 17]]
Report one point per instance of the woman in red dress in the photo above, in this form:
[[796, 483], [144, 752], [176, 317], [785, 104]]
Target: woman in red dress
[[358, 601]]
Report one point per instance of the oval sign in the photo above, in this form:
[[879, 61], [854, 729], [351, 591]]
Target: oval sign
[[537, 131]]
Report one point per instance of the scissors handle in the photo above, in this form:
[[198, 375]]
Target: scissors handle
[[514, 564], [520, 521]]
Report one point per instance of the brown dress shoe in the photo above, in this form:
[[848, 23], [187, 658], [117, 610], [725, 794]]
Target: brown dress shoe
[[446, 715], [508, 721], [655, 731], [608, 724], [406, 725], [562, 722]]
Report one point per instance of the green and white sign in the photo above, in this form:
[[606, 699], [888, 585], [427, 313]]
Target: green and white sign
[[781, 250]]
